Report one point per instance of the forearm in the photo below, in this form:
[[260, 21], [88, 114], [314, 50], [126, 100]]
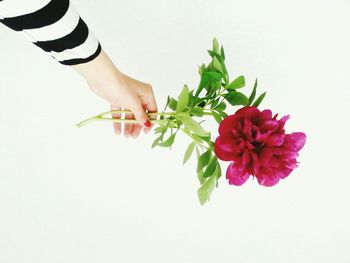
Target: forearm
[[99, 70], [54, 26], [102, 77]]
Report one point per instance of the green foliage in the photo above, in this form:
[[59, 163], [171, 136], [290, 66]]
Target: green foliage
[[252, 95], [197, 111], [207, 185], [259, 100], [217, 117], [168, 142], [183, 100], [189, 152], [215, 45], [237, 83], [173, 104], [237, 98], [191, 124]]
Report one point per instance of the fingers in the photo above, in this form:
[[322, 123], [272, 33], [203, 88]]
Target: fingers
[[116, 125], [140, 114], [139, 99], [150, 105], [136, 130], [128, 127]]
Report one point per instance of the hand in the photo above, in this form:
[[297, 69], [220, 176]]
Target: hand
[[128, 93], [121, 92]]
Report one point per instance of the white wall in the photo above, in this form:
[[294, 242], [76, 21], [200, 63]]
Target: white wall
[[85, 195]]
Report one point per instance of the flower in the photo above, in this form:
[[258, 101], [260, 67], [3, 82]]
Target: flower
[[257, 145]]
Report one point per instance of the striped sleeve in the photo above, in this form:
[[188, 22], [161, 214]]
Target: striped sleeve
[[54, 26]]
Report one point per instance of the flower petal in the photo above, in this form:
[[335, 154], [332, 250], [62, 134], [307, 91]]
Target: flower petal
[[248, 112], [221, 152], [236, 175], [295, 141], [275, 139], [266, 177], [227, 124]]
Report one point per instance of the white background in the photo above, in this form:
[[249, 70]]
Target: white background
[[86, 195]]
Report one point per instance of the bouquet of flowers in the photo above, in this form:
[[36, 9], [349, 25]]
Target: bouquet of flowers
[[254, 141]]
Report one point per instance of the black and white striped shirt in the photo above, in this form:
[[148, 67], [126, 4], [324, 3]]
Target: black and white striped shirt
[[54, 26]]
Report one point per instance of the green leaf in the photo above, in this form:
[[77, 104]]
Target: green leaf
[[159, 129], [197, 111], [237, 98], [252, 95], [215, 45], [214, 75], [197, 152], [190, 99], [204, 81], [168, 142], [167, 102], [223, 66], [203, 160], [222, 52], [206, 189], [191, 124], [214, 103], [172, 103], [196, 138], [217, 64], [211, 53], [189, 152], [201, 69], [237, 83], [217, 117], [156, 141], [200, 177], [218, 171], [223, 114], [206, 77], [183, 100], [221, 106], [259, 100], [209, 170]]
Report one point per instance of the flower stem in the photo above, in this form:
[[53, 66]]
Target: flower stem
[[100, 117]]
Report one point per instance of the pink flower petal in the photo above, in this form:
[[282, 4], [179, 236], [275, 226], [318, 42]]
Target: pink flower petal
[[235, 175], [266, 114], [245, 158], [275, 140], [267, 178], [221, 153], [227, 124], [295, 141], [269, 125], [283, 120]]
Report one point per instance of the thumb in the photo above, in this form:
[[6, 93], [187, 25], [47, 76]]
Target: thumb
[[140, 114]]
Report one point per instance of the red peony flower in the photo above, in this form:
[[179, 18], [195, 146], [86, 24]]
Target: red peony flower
[[257, 145]]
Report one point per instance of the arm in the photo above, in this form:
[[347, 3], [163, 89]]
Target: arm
[[55, 27]]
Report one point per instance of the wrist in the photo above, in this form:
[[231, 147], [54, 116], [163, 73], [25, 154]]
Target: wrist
[[99, 72]]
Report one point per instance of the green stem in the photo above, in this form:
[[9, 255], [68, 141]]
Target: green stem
[[128, 111], [194, 139], [100, 117], [97, 118]]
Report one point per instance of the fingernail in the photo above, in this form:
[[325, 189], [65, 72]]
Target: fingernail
[[147, 124]]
